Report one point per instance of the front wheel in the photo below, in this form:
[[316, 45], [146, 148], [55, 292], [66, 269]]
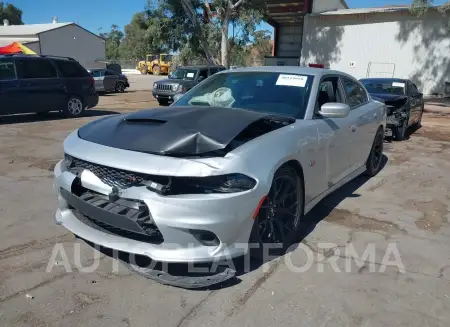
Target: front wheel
[[74, 107], [277, 222], [375, 161]]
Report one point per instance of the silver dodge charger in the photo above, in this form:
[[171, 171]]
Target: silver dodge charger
[[237, 160]]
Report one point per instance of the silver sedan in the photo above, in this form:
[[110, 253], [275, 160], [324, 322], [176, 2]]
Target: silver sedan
[[238, 159]]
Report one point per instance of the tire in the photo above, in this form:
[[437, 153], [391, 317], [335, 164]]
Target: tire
[[144, 70], [163, 102], [120, 87], [418, 124], [156, 70], [74, 107], [281, 212], [374, 162]]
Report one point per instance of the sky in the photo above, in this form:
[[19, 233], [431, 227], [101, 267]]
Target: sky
[[98, 15]]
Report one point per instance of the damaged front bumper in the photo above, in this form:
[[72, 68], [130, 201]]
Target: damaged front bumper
[[195, 228]]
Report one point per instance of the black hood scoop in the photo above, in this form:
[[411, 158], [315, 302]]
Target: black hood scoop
[[178, 131]]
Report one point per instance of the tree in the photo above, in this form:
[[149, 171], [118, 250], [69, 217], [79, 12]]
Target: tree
[[113, 41], [11, 13], [419, 7], [221, 13]]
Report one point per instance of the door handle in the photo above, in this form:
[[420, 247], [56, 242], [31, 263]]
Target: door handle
[[353, 128]]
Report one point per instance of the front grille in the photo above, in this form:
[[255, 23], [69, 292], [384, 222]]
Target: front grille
[[124, 217], [164, 87], [108, 229], [108, 175]]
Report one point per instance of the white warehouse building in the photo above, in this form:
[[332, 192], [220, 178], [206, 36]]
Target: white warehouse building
[[58, 39], [365, 42]]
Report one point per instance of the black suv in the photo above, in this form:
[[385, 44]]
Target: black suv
[[32, 83], [181, 80]]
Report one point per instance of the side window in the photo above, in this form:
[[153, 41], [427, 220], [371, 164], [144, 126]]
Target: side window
[[109, 73], [7, 71], [356, 95], [96, 73], [35, 68], [71, 68], [213, 70], [204, 73], [329, 91]]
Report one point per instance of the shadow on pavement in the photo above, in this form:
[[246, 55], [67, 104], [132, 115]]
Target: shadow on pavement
[[217, 276], [33, 117]]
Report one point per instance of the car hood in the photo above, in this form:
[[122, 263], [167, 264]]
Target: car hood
[[181, 131], [176, 81]]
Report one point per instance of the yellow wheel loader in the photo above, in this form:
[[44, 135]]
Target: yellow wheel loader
[[155, 64]]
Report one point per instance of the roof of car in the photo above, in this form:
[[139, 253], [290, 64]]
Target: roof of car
[[393, 79], [199, 66], [300, 70], [21, 55]]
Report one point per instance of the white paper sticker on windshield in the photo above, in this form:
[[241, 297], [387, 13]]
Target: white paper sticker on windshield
[[398, 84], [292, 80], [189, 75]]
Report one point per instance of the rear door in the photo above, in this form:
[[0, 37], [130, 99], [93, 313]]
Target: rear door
[[110, 81], [10, 92], [75, 78], [39, 80], [362, 129]]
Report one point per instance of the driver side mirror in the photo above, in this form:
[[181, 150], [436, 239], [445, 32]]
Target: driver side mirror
[[334, 110]]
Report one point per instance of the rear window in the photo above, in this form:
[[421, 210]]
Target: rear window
[[71, 68], [35, 68], [7, 71]]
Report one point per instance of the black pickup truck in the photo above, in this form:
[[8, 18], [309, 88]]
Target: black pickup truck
[[404, 103], [182, 80]]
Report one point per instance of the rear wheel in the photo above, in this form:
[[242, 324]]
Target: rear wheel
[[277, 223], [156, 70], [120, 87], [375, 160], [74, 107]]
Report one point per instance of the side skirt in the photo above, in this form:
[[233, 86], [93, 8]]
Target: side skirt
[[311, 204]]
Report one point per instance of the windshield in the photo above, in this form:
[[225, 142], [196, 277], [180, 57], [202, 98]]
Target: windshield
[[184, 73], [388, 86], [276, 93]]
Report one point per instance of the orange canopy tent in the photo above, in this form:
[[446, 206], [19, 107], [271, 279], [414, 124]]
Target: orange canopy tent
[[15, 47]]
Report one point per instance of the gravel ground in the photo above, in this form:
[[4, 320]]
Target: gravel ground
[[405, 206]]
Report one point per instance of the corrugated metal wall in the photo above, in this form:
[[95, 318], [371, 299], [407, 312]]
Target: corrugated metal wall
[[382, 44], [289, 40]]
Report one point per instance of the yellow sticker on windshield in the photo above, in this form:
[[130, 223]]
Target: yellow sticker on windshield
[[292, 80]]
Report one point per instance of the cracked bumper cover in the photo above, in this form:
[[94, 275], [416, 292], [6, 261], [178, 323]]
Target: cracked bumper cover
[[228, 216]]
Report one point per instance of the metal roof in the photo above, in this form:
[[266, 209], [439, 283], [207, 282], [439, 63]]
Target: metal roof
[[30, 29], [356, 11]]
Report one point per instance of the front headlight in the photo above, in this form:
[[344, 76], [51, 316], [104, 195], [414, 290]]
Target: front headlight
[[175, 87], [155, 85], [230, 183]]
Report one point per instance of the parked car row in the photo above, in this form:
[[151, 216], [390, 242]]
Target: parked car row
[[40, 84]]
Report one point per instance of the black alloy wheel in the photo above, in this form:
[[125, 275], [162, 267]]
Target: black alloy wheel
[[375, 160], [280, 214]]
